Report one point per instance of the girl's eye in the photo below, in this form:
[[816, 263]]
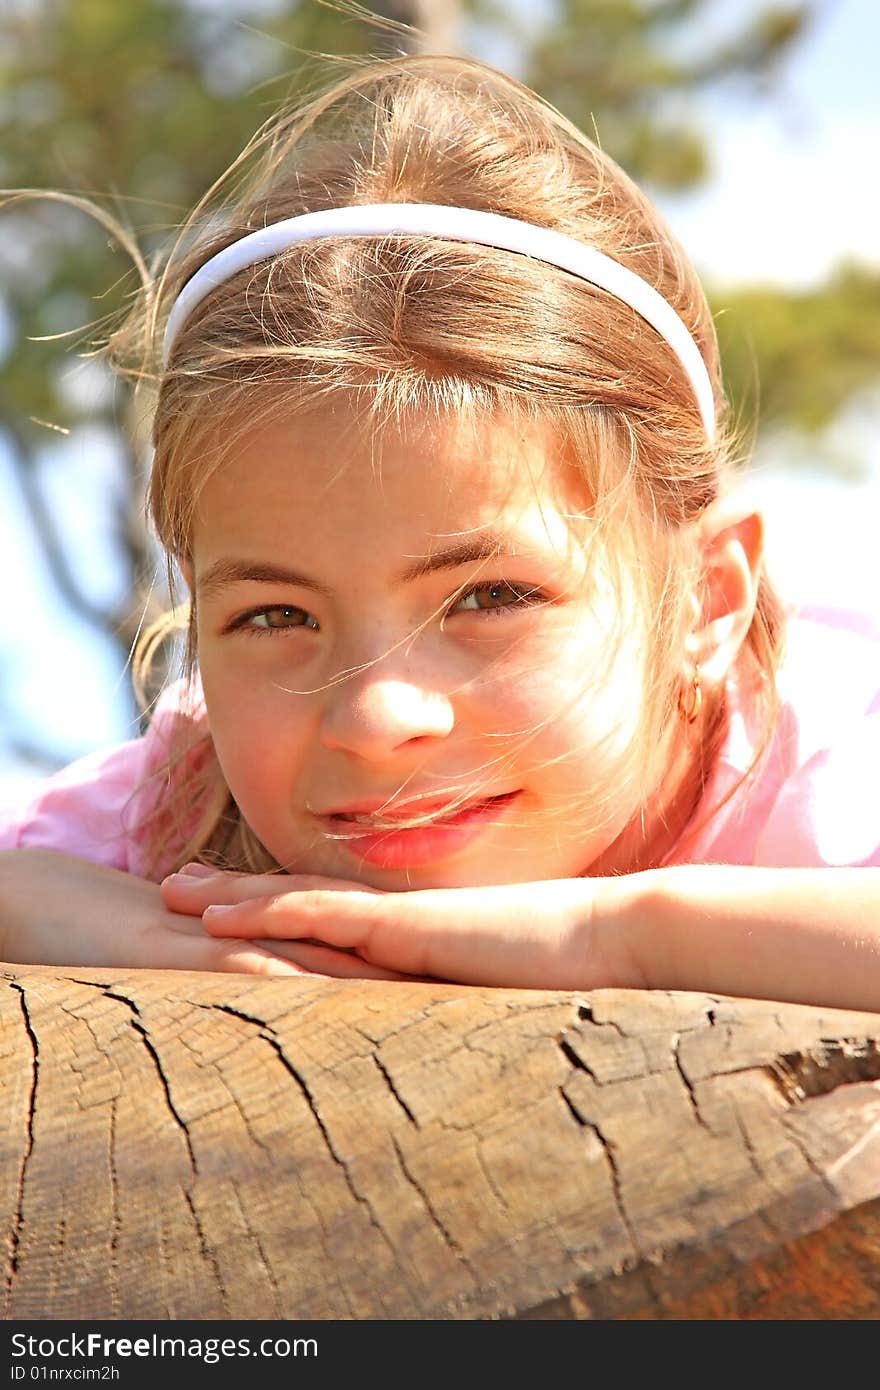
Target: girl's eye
[[498, 596], [278, 618]]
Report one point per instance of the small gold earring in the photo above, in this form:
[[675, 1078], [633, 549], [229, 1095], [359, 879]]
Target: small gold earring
[[691, 711]]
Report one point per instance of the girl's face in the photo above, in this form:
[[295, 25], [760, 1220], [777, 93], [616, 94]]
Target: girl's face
[[388, 630]]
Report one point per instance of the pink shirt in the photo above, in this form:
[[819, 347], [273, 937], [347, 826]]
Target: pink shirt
[[816, 800], [92, 808]]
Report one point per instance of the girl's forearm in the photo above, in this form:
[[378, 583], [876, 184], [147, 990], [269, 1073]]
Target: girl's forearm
[[809, 936]]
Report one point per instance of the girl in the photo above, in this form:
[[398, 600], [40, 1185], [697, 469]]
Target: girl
[[484, 680]]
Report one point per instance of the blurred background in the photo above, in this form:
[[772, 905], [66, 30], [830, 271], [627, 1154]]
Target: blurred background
[[753, 124]]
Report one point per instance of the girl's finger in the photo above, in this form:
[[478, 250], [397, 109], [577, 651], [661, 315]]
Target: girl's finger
[[325, 961], [194, 870], [180, 942], [192, 893], [521, 936], [185, 949], [397, 932], [344, 920], [251, 958]]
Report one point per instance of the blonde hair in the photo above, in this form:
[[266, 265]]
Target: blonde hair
[[405, 326]]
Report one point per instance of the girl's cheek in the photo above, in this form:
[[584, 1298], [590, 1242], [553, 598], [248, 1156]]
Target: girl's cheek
[[533, 721], [546, 681], [506, 698], [259, 729], [235, 687], [570, 726]]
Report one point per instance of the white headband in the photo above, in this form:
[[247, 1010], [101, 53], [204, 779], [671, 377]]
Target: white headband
[[455, 224]]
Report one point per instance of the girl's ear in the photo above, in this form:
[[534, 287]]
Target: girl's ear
[[731, 541], [186, 569]]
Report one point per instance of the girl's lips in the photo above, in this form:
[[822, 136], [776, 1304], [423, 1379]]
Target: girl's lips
[[392, 849]]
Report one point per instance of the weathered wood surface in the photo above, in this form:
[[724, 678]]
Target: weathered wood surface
[[206, 1146]]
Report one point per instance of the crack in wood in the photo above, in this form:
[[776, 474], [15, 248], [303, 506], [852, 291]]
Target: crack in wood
[[383, 1070], [576, 1060], [830, 1063], [800, 1075], [267, 1034], [14, 1237], [586, 1014], [80, 1017], [616, 1185], [115, 1217], [141, 1028], [231, 1101], [687, 1083], [216, 1007], [809, 1159], [362, 1200], [572, 1108], [206, 1249], [449, 1239], [748, 1144], [613, 1170], [490, 1181], [265, 1262]]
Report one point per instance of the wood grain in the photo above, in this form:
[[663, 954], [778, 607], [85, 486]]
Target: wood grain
[[178, 1145]]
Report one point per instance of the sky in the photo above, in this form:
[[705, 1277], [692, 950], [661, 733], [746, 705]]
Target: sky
[[795, 182], [794, 190]]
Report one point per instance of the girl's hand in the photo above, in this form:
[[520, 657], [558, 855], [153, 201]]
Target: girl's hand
[[58, 910], [546, 935], [808, 936]]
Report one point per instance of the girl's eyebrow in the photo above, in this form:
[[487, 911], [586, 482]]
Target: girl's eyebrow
[[231, 571]]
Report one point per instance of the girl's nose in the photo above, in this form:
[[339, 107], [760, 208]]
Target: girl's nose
[[375, 718]]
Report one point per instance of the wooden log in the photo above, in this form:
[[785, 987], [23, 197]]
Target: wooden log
[[212, 1146]]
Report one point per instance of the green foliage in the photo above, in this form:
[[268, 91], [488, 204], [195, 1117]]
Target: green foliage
[[797, 357], [146, 102], [625, 65]]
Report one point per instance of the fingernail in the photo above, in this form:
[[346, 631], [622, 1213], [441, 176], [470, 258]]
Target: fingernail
[[181, 880], [218, 907], [194, 870]]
